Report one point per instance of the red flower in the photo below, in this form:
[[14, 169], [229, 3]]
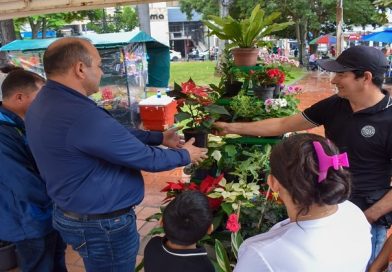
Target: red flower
[[107, 94], [210, 183], [214, 203], [173, 186], [232, 223]]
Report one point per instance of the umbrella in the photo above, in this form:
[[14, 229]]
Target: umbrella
[[324, 39], [382, 36]]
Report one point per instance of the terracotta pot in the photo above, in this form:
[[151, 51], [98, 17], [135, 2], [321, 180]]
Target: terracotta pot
[[201, 136], [264, 92], [245, 56]]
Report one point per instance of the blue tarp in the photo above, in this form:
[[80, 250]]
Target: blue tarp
[[382, 36]]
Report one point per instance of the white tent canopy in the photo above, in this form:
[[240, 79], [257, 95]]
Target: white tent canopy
[[10, 9]]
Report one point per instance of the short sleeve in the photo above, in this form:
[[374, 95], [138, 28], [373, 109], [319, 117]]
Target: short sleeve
[[249, 260], [318, 113]]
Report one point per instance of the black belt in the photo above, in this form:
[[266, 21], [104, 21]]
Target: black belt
[[86, 217]]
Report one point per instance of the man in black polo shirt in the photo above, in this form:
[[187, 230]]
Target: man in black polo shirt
[[358, 119]]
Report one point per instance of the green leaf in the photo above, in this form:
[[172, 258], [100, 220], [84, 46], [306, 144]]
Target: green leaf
[[156, 230], [221, 256], [236, 241], [213, 108], [181, 116], [154, 217], [140, 266], [227, 208]]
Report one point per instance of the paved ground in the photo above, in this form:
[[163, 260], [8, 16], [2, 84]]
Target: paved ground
[[316, 86]]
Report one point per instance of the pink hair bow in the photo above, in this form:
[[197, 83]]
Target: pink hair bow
[[326, 161]]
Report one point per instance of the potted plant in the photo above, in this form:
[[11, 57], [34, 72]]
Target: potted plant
[[267, 81], [245, 34], [229, 79], [197, 110]]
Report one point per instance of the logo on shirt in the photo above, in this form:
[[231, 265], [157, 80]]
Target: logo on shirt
[[368, 131]]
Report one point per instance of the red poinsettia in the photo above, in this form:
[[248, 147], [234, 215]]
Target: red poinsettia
[[206, 186]]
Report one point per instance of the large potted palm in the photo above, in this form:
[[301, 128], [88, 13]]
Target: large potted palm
[[245, 35]]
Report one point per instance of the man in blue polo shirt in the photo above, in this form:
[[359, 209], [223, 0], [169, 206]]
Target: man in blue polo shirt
[[92, 164], [358, 119]]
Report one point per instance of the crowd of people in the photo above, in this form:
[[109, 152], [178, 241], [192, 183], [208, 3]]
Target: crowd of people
[[71, 174]]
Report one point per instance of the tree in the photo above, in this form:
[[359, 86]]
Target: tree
[[49, 21], [124, 18], [7, 31]]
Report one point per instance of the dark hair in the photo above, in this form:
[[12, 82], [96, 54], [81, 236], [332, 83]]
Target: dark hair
[[294, 163], [20, 80], [60, 57], [376, 79], [9, 67], [186, 219]]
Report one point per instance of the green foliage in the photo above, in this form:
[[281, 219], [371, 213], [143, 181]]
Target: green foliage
[[124, 19], [205, 7], [245, 33], [222, 258], [246, 107]]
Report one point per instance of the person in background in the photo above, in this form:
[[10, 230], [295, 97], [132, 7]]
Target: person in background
[[4, 70], [296, 52], [358, 119], [186, 220], [25, 207], [324, 232], [313, 61], [91, 163], [332, 51]]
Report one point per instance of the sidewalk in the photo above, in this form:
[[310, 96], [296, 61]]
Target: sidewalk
[[316, 86]]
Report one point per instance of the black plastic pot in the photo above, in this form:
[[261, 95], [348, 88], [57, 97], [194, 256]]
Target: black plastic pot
[[232, 88], [201, 136], [277, 91], [7, 257], [264, 92]]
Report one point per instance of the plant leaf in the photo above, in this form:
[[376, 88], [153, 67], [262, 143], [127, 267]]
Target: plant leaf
[[236, 241], [221, 256]]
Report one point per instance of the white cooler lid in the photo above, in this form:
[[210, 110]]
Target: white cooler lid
[[155, 101]]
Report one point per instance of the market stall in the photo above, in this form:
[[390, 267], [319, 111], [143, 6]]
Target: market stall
[[130, 62]]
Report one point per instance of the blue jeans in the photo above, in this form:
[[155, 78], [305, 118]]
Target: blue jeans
[[107, 245], [46, 254], [379, 235]]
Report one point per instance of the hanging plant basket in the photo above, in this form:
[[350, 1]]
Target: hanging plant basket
[[245, 56]]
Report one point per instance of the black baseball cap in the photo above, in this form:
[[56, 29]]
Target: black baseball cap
[[357, 58]]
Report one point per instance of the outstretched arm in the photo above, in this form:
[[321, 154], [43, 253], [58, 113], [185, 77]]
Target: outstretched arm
[[381, 262], [268, 127]]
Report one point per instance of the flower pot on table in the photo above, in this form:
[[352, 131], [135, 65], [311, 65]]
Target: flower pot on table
[[157, 113], [201, 136], [264, 92], [245, 56]]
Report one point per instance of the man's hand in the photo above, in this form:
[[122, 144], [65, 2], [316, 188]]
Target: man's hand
[[197, 154], [220, 128], [172, 139]]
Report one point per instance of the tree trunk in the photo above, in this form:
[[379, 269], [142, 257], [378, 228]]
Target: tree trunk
[[35, 27], [8, 35], [300, 31], [44, 27]]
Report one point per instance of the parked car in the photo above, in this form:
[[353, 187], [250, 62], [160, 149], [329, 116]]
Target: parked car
[[197, 55], [174, 55]]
